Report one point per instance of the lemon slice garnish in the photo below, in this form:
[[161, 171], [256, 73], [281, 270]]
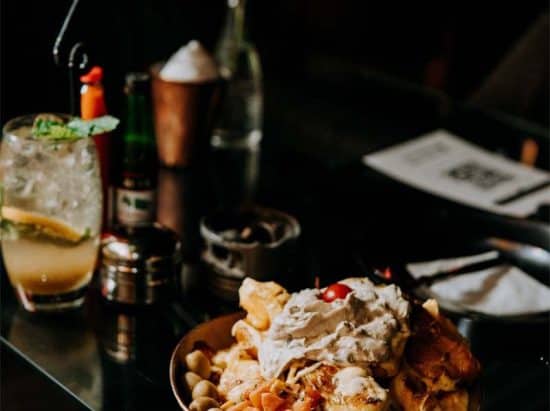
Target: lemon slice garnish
[[48, 225]]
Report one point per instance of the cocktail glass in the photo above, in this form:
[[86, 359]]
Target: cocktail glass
[[51, 215]]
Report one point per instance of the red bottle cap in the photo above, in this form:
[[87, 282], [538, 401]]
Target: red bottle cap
[[95, 75]]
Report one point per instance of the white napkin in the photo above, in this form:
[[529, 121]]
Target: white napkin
[[500, 290]]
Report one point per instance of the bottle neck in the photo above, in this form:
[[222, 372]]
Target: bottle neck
[[233, 38], [92, 101], [235, 20], [139, 125], [139, 152]]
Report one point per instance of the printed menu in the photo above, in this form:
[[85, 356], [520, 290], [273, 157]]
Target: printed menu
[[446, 165]]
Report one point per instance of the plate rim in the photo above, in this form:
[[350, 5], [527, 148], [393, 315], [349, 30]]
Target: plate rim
[[174, 360]]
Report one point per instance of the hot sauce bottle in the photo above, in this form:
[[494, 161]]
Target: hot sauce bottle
[[92, 105]]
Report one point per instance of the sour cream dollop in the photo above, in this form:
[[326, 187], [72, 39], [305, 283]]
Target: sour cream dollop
[[352, 381], [355, 331]]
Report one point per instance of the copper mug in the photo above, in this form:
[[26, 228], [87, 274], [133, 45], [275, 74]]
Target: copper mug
[[183, 113]]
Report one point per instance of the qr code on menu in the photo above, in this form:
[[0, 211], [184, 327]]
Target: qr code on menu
[[479, 175]]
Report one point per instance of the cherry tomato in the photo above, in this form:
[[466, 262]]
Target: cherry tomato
[[335, 291]]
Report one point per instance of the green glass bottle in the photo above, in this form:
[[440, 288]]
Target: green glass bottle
[[136, 190]]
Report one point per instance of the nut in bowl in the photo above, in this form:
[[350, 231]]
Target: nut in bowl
[[352, 346]]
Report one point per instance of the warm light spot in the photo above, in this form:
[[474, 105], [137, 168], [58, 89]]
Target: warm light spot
[[317, 282], [529, 152]]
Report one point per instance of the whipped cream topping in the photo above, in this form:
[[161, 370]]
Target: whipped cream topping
[[354, 331], [190, 64]]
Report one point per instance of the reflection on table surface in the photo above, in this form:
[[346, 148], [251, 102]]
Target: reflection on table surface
[[65, 347], [106, 356]]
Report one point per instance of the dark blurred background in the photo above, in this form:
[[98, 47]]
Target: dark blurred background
[[492, 53]]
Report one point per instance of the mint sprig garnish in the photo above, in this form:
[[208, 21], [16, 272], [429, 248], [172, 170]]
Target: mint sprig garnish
[[74, 129]]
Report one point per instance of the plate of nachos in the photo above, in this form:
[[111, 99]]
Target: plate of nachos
[[351, 346]]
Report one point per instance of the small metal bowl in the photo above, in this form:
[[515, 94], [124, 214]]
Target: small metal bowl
[[229, 260], [217, 334]]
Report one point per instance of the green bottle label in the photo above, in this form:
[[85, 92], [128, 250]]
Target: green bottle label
[[135, 207]]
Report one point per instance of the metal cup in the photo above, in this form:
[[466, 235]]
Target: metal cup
[[183, 118], [139, 267]]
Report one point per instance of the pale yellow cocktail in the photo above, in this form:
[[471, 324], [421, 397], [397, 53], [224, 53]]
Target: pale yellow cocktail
[[51, 215]]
